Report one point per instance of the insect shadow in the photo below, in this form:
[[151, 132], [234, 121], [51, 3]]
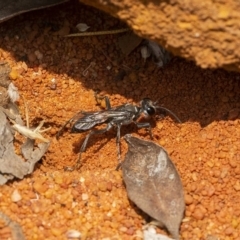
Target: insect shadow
[[113, 117]]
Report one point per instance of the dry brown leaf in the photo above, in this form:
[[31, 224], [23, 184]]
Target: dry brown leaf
[[12, 165], [153, 183], [128, 42]]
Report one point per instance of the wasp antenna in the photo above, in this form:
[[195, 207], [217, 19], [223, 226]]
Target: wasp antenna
[[160, 100], [169, 111], [60, 132]]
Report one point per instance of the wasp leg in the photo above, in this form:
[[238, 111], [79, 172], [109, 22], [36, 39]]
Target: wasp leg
[[146, 125], [118, 142], [63, 127], [107, 101], [118, 147], [84, 145]]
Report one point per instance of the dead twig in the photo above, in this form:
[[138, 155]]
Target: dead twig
[[28, 132], [83, 34]]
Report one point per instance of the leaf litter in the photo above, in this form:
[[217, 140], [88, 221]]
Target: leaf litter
[[153, 183], [11, 164]]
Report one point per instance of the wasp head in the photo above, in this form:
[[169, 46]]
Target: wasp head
[[148, 107]]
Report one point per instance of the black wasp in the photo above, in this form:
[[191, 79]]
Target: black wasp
[[113, 117]]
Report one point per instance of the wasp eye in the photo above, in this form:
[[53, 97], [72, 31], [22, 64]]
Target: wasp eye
[[151, 111]]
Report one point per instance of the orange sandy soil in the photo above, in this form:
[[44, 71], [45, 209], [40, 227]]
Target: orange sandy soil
[[93, 200]]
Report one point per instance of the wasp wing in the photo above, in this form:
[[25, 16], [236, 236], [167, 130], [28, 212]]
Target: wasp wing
[[91, 119]]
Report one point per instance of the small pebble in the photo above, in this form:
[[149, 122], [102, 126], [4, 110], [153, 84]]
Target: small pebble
[[103, 186], [38, 54], [233, 163], [13, 75], [40, 187], [229, 231], [82, 180], [84, 196], [31, 57], [211, 237], [73, 234], [56, 232], [210, 164], [109, 186], [16, 196], [236, 186], [188, 199], [123, 229], [130, 231], [198, 214]]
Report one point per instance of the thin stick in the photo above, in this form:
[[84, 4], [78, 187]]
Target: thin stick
[[83, 34]]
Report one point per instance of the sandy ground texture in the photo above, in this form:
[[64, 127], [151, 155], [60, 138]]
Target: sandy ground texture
[[52, 74]]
